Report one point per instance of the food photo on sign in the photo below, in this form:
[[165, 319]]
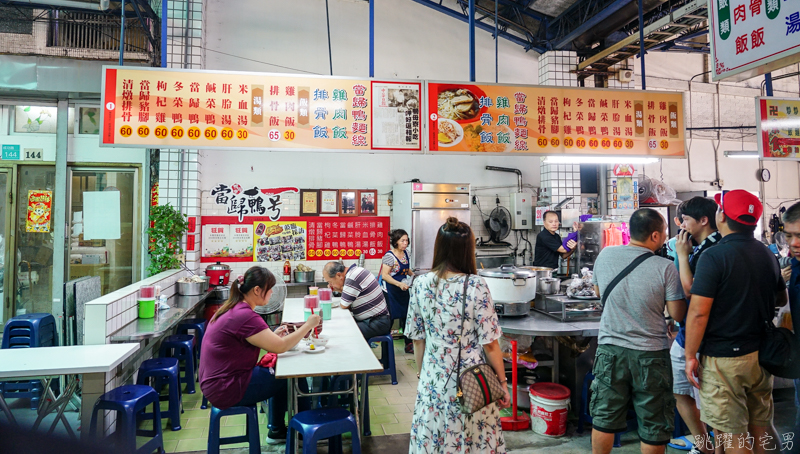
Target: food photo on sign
[[279, 241]]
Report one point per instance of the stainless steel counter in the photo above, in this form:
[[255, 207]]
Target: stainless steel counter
[[538, 324], [165, 320]]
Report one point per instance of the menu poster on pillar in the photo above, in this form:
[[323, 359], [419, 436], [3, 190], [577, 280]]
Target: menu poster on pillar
[[752, 37], [551, 120], [156, 107], [279, 241], [396, 116], [778, 128]]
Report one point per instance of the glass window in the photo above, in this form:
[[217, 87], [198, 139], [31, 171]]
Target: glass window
[[89, 120], [39, 120]]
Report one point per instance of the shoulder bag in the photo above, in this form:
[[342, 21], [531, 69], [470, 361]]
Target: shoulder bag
[[478, 386], [623, 274]]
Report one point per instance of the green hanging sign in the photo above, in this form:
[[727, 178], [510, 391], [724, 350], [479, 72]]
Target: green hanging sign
[[724, 21], [773, 8]]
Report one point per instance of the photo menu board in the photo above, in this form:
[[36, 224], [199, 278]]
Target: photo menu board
[[155, 107], [293, 238], [778, 128], [551, 120]]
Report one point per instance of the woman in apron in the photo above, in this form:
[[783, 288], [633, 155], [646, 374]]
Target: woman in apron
[[397, 276]]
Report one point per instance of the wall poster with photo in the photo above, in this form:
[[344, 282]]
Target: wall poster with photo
[[347, 203], [279, 241], [368, 200], [329, 201]]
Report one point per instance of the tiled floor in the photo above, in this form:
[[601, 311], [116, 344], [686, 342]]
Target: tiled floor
[[391, 407]]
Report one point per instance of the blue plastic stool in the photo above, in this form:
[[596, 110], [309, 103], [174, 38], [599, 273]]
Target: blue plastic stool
[[129, 401], [163, 371], [585, 417], [387, 356], [251, 435], [320, 424], [180, 346], [28, 331], [199, 327]]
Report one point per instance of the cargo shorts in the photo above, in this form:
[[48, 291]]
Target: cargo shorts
[[644, 378]]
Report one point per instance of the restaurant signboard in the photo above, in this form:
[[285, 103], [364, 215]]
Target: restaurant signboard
[[550, 121], [753, 37], [154, 107], [778, 128]]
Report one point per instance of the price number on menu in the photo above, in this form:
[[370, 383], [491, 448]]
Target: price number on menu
[[554, 142], [542, 141], [629, 143], [194, 133], [241, 134], [580, 143], [143, 131], [617, 143], [664, 144], [274, 135], [176, 132], [161, 132], [126, 131], [605, 143], [226, 133], [568, 142], [593, 143], [210, 133], [652, 144], [288, 135]]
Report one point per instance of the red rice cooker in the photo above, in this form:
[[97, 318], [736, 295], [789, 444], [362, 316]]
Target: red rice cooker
[[219, 273]]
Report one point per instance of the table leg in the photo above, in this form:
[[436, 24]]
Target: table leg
[[363, 408], [292, 409], [555, 360], [64, 401], [46, 402], [7, 411]]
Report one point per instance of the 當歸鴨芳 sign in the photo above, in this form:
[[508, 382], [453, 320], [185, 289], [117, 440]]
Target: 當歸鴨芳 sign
[[778, 123], [153, 107], [753, 37], [553, 120]]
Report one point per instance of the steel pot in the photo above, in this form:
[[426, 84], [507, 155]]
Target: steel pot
[[219, 273], [222, 292], [509, 284], [541, 272], [189, 288], [549, 286], [304, 276]]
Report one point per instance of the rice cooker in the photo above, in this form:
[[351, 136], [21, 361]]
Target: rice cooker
[[512, 289], [219, 273]]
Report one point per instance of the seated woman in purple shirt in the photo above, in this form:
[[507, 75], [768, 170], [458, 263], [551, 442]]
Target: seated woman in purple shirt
[[229, 376]]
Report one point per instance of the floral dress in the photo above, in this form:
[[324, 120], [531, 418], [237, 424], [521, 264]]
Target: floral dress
[[435, 314]]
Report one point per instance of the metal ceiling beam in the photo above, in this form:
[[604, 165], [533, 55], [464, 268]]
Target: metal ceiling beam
[[576, 20], [527, 45], [101, 5]]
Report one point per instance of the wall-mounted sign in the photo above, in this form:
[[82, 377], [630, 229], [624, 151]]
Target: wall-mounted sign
[[623, 170], [250, 201], [753, 37], [10, 153], [293, 238], [778, 128], [40, 204], [551, 121], [154, 107], [32, 154]]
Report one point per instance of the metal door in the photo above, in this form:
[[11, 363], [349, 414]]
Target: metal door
[[425, 225]]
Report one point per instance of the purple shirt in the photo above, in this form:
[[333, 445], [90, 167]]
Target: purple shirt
[[227, 359]]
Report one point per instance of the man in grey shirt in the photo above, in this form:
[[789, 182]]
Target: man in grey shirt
[[632, 361]]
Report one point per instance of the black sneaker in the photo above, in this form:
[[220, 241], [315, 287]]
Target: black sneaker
[[276, 437]]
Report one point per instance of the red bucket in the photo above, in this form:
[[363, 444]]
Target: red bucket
[[549, 408]]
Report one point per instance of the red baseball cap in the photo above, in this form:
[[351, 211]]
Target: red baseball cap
[[738, 203]]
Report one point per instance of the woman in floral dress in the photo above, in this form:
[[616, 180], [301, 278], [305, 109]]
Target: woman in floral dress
[[434, 323]]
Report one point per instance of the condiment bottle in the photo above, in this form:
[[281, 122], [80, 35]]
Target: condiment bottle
[[287, 272]]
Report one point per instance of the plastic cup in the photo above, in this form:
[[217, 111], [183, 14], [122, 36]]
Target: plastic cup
[[311, 301], [313, 290], [147, 291], [306, 313], [147, 307], [326, 310], [325, 294]]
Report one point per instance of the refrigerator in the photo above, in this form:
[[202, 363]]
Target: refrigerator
[[420, 209]]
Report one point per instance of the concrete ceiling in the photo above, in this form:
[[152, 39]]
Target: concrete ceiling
[[552, 8]]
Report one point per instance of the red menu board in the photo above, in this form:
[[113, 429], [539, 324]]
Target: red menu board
[[294, 238]]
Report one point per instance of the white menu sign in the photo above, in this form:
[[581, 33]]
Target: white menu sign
[[753, 37]]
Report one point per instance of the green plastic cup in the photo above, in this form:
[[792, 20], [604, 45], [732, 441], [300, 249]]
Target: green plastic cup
[[147, 307], [326, 310]]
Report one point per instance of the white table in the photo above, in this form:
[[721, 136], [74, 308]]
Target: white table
[[347, 353], [45, 363]]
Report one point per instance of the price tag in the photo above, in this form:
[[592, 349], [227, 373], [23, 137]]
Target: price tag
[[32, 154]]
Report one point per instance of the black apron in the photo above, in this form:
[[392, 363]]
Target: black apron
[[398, 299]]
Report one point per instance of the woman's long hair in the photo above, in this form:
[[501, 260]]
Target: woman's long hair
[[454, 249], [255, 277]]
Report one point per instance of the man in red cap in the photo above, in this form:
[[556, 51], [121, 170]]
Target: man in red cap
[[736, 287]]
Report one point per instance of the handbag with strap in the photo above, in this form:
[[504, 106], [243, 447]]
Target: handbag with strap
[[478, 386], [623, 274]]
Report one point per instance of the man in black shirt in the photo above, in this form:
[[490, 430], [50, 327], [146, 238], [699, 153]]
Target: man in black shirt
[[549, 244], [736, 286]]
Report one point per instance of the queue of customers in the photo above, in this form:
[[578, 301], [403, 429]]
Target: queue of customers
[[720, 279]]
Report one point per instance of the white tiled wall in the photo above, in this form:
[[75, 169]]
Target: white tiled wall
[[558, 68], [560, 181], [169, 185]]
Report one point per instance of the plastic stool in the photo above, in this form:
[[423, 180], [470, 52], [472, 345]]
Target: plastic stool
[[387, 356], [164, 371], [180, 346], [199, 327], [322, 423], [251, 436], [129, 401], [585, 417], [28, 331]]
